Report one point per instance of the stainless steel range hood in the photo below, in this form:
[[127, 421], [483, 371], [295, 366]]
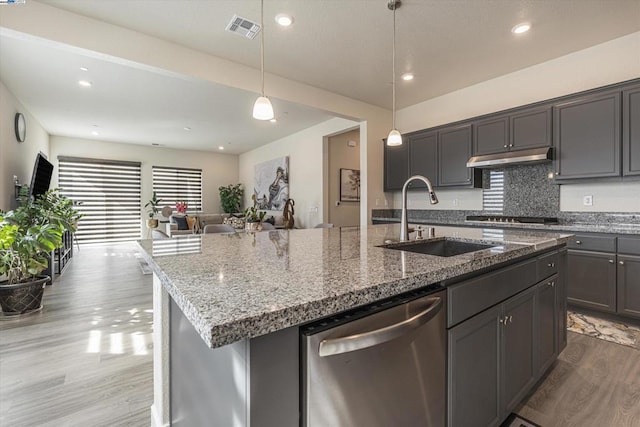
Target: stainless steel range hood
[[509, 158]]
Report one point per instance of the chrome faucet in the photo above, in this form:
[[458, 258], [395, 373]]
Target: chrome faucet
[[404, 226]]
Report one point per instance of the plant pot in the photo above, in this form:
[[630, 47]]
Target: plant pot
[[252, 226], [22, 298], [152, 223]]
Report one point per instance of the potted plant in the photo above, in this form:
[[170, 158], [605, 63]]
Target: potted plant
[[231, 198], [28, 236], [253, 219], [153, 210]]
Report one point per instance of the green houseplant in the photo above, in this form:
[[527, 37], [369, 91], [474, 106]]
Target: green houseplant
[[231, 198], [28, 235], [153, 210], [253, 218]]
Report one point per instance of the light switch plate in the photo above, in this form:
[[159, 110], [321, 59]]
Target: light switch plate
[[587, 200]]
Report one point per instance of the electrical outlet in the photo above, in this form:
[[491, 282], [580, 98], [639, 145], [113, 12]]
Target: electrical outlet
[[313, 209], [455, 202], [587, 200]]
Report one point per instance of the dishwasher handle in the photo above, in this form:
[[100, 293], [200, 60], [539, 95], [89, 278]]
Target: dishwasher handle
[[334, 346]]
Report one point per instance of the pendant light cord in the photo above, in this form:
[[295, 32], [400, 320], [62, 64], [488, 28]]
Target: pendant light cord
[[262, 44], [393, 83]]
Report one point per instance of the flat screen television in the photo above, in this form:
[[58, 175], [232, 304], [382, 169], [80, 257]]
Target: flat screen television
[[41, 177]]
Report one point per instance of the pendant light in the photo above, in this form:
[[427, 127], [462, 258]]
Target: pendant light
[[262, 109], [394, 138]]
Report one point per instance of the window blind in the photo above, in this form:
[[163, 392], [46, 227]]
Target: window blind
[[493, 197], [178, 185], [107, 194]]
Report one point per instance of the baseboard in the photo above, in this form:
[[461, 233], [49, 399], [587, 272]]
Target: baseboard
[[156, 418]]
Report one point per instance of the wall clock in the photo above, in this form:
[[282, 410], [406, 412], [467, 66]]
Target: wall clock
[[20, 127]]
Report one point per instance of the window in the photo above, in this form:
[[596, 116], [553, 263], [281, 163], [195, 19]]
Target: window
[[493, 197], [178, 185], [107, 193]]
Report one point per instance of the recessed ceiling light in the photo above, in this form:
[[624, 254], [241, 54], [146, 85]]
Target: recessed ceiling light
[[407, 76], [95, 133], [221, 148], [521, 28], [284, 19], [84, 69], [273, 120], [186, 128], [84, 83]]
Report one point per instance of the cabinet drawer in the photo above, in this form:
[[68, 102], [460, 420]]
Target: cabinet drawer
[[592, 242], [547, 265], [472, 296], [629, 245]]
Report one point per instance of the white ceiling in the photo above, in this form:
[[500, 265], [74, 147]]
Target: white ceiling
[[343, 46]]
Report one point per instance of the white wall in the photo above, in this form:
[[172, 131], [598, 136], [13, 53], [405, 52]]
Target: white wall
[[607, 197], [306, 175], [611, 62], [341, 155], [17, 158], [217, 169]]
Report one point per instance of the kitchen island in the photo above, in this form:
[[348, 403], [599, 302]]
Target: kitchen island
[[237, 302]]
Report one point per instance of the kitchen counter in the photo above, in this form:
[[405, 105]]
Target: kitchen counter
[[611, 228], [235, 287]]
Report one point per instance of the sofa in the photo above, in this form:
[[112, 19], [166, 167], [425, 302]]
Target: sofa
[[194, 223]]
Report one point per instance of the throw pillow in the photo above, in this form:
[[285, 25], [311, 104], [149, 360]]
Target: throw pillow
[[182, 222], [191, 221], [271, 220]]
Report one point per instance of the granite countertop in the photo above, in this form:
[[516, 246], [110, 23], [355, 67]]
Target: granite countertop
[[233, 287], [568, 227]]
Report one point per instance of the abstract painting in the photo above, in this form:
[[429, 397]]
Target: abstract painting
[[271, 184], [349, 185]]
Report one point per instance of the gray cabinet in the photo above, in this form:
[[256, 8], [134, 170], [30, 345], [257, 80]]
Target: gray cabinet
[[473, 371], [629, 285], [592, 280], [518, 354], [491, 135], [587, 136], [528, 128], [561, 303], [454, 149], [423, 157], [631, 131], [546, 323], [395, 166]]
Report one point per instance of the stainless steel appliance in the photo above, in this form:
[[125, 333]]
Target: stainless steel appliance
[[513, 219], [380, 366]]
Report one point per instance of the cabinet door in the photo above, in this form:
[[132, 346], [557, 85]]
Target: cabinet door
[[473, 369], [530, 129], [592, 280], [491, 136], [454, 149], [587, 136], [629, 285], [561, 293], [518, 368], [396, 166], [631, 131], [546, 322], [423, 157]]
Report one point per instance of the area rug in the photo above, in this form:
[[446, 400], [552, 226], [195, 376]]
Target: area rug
[[617, 332], [515, 420]]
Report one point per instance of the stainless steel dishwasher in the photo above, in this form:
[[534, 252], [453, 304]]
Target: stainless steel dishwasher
[[380, 366]]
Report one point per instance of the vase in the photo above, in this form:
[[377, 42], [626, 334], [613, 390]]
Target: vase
[[22, 298], [152, 223], [252, 226]]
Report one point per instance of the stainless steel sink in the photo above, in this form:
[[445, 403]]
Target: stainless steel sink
[[439, 247]]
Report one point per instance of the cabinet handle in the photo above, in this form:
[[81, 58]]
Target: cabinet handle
[[610, 261], [552, 284], [510, 145], [551, 264], [578, 242], [510, 319], [505, 146], [621, 262], [504, 320]]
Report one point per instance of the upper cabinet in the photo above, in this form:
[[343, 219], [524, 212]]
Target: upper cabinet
[[395, 166], [440, 155], [587, 136], [528, 128], [454, 149], [631, 131]]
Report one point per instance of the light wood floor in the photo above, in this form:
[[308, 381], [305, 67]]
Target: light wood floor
[[86, 359]]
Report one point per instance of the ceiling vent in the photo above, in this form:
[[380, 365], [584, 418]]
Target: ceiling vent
[[243, 27]]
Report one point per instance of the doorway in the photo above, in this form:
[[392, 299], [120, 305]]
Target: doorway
[[344, 170]]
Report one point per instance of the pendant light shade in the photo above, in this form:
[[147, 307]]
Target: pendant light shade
[[262, 109], [395, 138]]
